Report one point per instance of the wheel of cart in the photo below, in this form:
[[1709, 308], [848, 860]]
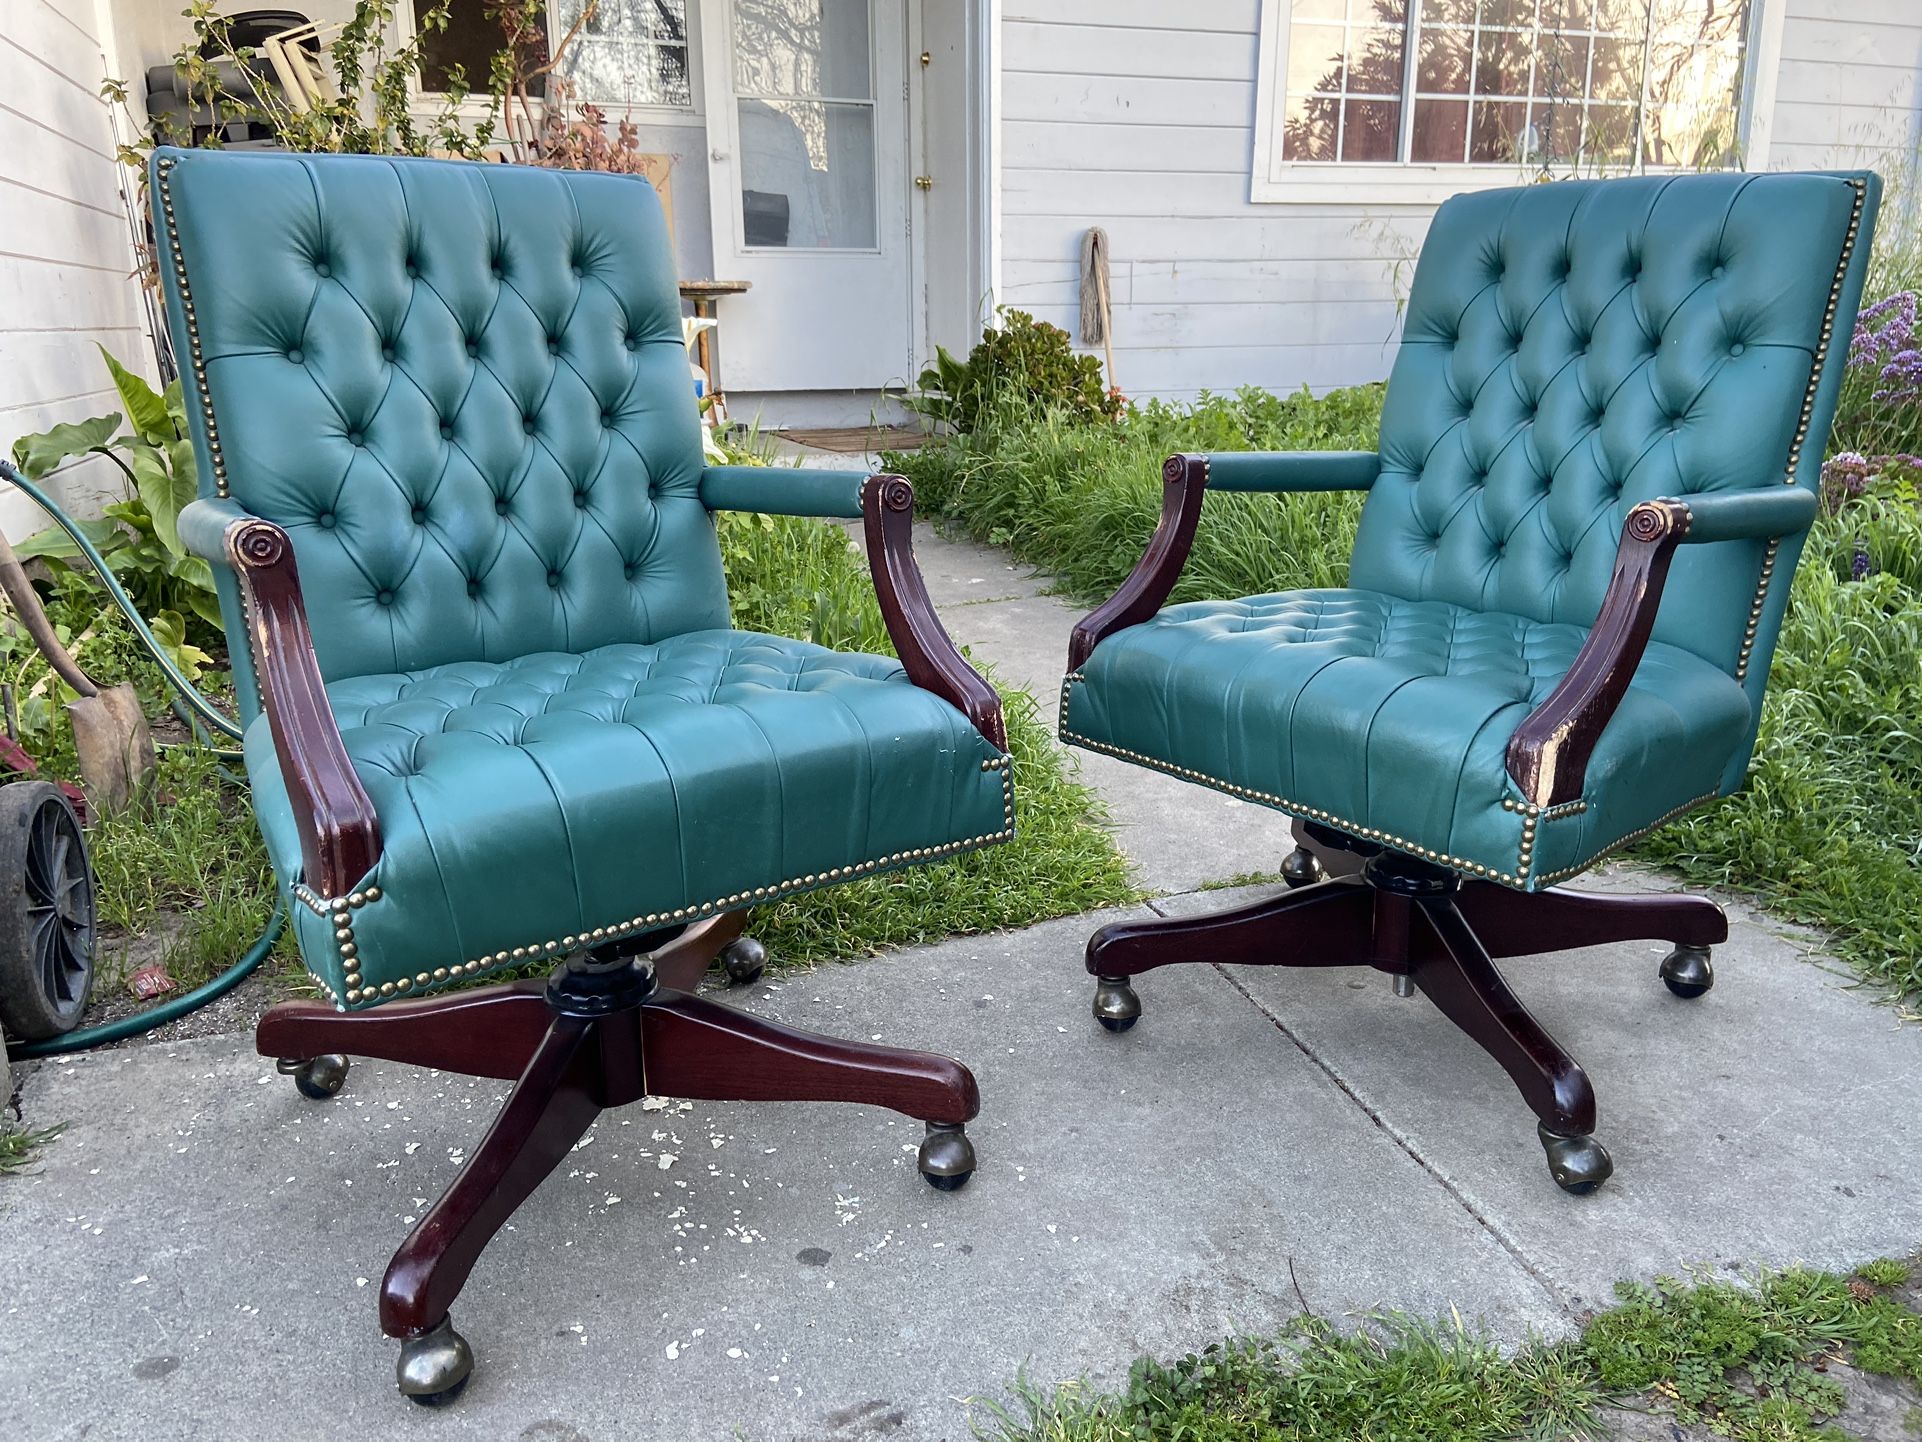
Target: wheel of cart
[[46, 912]]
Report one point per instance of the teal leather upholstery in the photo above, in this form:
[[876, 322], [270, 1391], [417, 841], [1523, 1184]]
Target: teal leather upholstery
[[462, 392], [1569, 351], [1293, 470]]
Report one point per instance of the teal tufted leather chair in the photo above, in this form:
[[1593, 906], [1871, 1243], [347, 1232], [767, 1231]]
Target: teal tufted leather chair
[[1599, 457], [495, 713]]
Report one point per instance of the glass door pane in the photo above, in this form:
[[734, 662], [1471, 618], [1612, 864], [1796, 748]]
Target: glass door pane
[[803, 84]]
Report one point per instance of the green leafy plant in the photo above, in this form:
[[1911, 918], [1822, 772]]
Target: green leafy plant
[[1023, 366], [139, 536]]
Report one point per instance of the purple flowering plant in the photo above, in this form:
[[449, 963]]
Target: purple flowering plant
[[1878, 424]]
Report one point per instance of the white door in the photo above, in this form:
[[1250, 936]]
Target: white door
[[808, 183]]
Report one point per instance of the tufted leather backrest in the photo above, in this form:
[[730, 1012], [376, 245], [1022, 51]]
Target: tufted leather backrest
[[1571, 349], [460, 388]]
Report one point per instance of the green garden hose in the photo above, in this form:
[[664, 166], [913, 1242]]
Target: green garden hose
[[204, 716]]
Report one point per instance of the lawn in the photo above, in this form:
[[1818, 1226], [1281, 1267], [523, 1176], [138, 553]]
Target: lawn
[[1761, 1360]]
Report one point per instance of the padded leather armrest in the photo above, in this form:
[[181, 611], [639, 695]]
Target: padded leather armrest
[[783, 490], [204, 525], [1292, 470], [1548, 754], [1747, 515], [339, 832]]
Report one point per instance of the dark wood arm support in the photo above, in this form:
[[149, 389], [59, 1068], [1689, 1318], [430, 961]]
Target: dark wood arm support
[[927, 653], [339, 833], [1184, 480], [1548, 754]]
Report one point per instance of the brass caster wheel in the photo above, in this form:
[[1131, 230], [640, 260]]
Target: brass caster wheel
[[1686, 972], [1299, 867], [1578, 1164], [947, 1157], [1115, 1004], [317, 1077], [745, 960], [434, 1367]]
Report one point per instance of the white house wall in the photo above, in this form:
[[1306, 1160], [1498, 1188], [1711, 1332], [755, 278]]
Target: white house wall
[[1137, 116], [67, 256]]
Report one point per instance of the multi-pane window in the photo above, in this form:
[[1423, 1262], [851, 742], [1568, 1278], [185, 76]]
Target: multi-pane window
[[1594, 84], [628, 52]]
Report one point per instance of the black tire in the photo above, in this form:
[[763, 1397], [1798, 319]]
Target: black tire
[[46, 912]]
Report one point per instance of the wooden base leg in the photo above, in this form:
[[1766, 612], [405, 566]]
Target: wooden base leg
[[492, 1031], [1324, 925], [1462, 981], [682, 963], [1515, 923], [694, 1048], [553, 1104]]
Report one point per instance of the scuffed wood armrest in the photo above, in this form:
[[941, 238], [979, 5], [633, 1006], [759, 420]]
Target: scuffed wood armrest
[[928, 654], [339, 832], [1548, 753], [1184, 481]]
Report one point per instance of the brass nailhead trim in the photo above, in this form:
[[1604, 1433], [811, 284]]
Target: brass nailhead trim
[[1633, 836], [340, 909], [1802, 422], [198, 364]]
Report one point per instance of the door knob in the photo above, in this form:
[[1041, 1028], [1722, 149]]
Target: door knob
[[924, 182]]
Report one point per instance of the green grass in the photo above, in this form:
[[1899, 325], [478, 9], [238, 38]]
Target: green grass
[[19, 1149], [1751, 1362], [1829, 828]]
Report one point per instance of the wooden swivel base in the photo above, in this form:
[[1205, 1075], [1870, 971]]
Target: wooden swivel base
[[1437, 933], [605, 1030]]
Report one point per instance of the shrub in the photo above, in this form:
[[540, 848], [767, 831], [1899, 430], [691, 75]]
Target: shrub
[[1025, 368]]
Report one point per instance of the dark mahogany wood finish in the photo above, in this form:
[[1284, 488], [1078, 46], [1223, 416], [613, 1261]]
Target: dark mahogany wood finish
[[339, 832], [1184, 484], [928, 654], [1444, 939], [567, 1069], [1548, 753]]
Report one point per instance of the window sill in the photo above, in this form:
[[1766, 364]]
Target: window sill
[[1384, 184]]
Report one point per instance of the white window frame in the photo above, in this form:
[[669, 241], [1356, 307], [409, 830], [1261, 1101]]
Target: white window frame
[[693, 113], [1274, 180]]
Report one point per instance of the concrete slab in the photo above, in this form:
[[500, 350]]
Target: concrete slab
[[1772, 1121], [194, 1267]]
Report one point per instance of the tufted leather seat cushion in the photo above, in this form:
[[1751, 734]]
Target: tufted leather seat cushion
[[530, 803], [1389, 718]]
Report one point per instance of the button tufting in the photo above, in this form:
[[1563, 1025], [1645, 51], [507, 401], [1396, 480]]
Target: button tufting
[[420, 515], [527, 424], [325, 520], [473, 347], [386, 352], [1737, 348], [412, 270], [633, 341], [580, 500], [386, 598], [500, 505], [447, 430], [322, 269], [294, 355], [553, 580], [473, 585], [354, 438], [607, 418], [1715, 274], [628, 570], [553, 345]]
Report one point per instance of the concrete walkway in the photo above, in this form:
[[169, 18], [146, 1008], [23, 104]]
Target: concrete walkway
[[198, 1256]]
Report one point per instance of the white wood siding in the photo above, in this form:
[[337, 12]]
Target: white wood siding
[[66, 259], [1849, 90], [1137, 116]]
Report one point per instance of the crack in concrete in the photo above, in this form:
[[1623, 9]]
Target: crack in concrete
[[1507, 1242]]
